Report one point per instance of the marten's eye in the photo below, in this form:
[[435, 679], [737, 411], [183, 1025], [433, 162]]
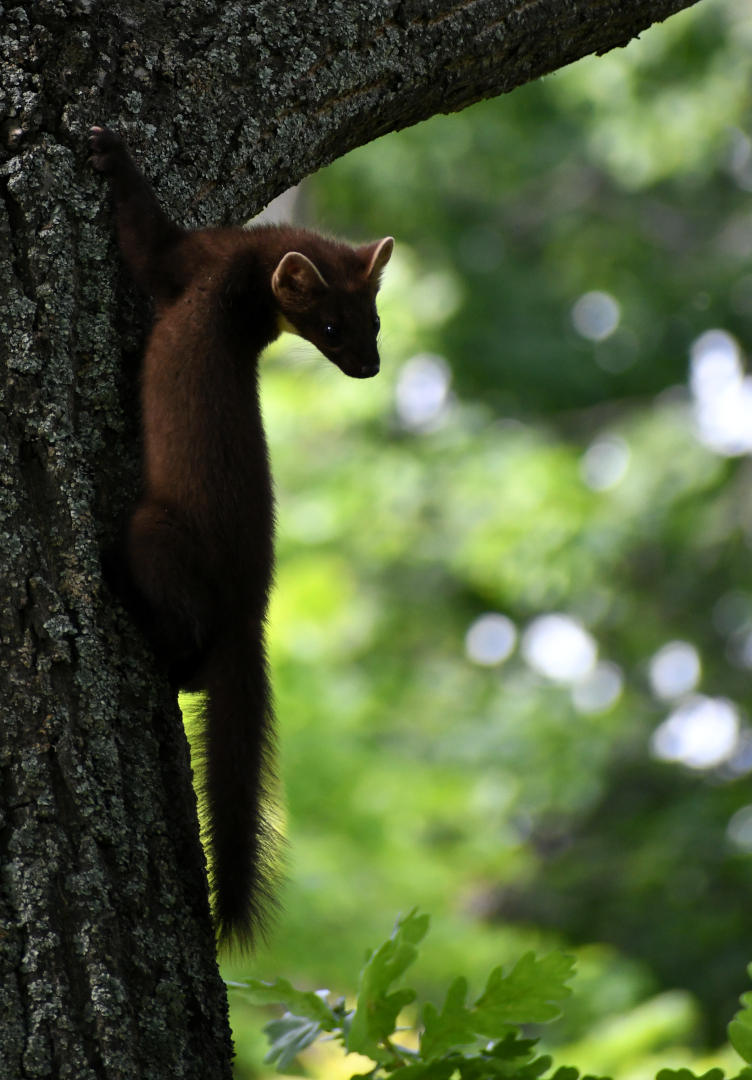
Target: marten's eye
[[376, 324], [332, 331]]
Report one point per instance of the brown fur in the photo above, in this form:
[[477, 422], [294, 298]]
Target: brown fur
[[197, 555]]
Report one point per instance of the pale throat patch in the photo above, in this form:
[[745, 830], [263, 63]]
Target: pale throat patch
[[285, 326]]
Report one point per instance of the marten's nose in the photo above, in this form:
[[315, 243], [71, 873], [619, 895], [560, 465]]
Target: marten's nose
[[369, 370]]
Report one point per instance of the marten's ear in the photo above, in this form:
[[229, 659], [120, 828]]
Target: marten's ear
[[296, 282], [380, 253]]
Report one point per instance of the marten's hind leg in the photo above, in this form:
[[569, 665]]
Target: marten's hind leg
[[162, 580]]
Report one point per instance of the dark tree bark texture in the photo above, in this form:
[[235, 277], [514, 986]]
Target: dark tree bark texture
[[107, 961]]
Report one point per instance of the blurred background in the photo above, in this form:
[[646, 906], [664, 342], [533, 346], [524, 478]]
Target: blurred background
[[512, 632]]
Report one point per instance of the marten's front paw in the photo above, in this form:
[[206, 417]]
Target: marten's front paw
[[106, 146]]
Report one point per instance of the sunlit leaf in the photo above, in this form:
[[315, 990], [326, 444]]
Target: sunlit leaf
[[451, 1027], [376, 1015], [528, 994]]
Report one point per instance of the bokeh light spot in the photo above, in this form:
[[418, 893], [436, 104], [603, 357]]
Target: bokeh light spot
[[740, 762], [722, 395], [422, 390], [558, 647], [490, 639], [701, 733], [739, 829], [596, 315], [600, 691], [605, 462], [674, 670]]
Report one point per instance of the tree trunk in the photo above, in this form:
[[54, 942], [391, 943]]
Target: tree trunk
[[107, 960]]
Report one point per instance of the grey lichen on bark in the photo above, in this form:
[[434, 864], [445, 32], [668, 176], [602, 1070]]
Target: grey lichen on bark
[[107, 963]]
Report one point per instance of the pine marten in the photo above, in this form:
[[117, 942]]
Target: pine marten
[[196, 559]]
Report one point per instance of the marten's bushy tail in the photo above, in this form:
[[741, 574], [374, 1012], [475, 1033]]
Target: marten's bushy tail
[[237, 779]]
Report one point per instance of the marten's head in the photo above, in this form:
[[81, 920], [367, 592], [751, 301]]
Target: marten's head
[[330, 299]]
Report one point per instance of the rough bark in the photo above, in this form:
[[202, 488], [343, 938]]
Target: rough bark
[[107, 965]]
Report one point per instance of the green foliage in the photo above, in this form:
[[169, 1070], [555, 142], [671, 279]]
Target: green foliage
[[687, 1074], [376, 1015], [740, 1028], [302, 1003], [526, 995], [307, 1016], [529, 993], [482, 1042]]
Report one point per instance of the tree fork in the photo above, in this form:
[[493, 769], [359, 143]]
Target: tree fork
[[107, 961]]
